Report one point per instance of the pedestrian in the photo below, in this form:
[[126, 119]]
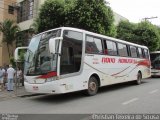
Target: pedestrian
[[10, 78], [19, 76], [2, 73], [5, 76]]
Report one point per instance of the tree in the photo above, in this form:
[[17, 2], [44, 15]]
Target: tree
[[143, 33], [147, 34], [51, 15], [91, 15], [125, 30], [9, 30]]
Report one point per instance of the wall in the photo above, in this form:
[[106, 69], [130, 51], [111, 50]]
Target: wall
[[4, 59], [118, 18], [27, 24], [1, 19]]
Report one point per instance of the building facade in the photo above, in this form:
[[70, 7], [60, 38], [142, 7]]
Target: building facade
[[25, 17], [6, 12], [23, 12]]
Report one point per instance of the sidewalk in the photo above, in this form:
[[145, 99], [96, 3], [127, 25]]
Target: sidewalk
[[20, 91]]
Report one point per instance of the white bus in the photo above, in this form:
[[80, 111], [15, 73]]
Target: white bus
[[67, 59], [155, 63]]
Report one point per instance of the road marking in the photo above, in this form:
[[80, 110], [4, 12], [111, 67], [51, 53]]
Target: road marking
[[153, 91], [129, 101]]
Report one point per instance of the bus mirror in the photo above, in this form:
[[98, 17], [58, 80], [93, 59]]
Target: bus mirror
[[53, 42], [19, 53]]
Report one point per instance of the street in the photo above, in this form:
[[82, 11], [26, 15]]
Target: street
[[121, 98]]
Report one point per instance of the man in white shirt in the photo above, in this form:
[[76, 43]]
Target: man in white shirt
[[10, 78], [2, 72]]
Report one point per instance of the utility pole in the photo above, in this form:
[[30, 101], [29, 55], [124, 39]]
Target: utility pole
[[147, 18]]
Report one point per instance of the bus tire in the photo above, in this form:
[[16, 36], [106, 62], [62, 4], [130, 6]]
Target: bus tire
[[92, 86], [139, 78]]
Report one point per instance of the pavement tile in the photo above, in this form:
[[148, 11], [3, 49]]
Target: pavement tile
[[19, 91]]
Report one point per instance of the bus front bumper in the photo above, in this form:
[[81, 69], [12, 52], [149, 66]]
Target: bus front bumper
[[48, 87]]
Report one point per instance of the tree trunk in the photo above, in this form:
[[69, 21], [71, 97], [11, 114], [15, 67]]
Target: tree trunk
[[8, 51]]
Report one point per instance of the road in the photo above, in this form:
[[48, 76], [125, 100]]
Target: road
[[121, 98]]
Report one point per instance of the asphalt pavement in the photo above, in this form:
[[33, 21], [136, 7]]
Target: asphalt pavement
[[124, 98], [17, 92]]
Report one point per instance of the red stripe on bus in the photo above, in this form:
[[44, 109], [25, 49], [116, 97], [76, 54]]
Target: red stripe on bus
[[146, 63], [48, 75]]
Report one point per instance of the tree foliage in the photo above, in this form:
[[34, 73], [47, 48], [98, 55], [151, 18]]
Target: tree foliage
[[91, 15], [9, 30], [125, 30], [143, 33], [51, 15], [147, 34]]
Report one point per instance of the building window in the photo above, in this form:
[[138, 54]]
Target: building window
[[23, 38], [26, 10], [10, 9]]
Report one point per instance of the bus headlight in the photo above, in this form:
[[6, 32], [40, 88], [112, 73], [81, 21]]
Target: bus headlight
[[50, 79]]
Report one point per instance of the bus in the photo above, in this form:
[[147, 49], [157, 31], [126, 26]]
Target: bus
[[66, 59], [155, 63]]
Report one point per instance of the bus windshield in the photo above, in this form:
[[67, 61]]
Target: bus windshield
[[38, 58], [155, 60]]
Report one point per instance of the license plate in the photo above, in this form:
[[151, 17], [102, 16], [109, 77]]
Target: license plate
[[35, 87]]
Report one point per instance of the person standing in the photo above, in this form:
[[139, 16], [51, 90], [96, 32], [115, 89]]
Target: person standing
[[19, 76], [10, 78], [2, 72]]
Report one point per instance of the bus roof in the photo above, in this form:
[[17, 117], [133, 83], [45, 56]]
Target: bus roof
[[96, 34]]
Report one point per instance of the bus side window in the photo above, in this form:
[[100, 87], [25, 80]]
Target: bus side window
[[140, 54], [93, 45], [71, 52], [105, 51], [111, 48], [133, 51], [143, 53], [146, 54], [122, 50], [88, 49]]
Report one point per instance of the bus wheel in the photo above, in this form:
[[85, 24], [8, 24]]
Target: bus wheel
[[139, 78], [92, 86]]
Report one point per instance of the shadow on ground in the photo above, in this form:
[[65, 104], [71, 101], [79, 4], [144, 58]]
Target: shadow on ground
[[60, 98]]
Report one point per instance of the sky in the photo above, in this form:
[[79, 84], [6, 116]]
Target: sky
[[136, 10]]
